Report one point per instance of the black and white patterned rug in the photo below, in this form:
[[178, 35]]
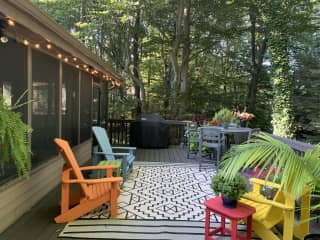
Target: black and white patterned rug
[[161, 199]]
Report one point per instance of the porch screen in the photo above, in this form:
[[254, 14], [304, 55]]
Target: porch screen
[[85, 106], [104, 104], [13, 82], [69, 100], [45, 73], [96, 97]]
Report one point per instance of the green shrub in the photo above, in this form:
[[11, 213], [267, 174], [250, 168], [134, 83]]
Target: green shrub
[[225, 116], [233, 188]]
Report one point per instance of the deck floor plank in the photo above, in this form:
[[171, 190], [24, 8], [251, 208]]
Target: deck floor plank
[[38, 224]]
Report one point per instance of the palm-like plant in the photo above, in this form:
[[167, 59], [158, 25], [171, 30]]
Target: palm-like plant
[[263, 151]]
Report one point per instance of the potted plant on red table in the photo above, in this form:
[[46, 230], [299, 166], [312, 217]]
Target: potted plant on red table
[[231, 190]]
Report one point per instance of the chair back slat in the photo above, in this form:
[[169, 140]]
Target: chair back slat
[[103, 141], [210, 134], [71, 162]]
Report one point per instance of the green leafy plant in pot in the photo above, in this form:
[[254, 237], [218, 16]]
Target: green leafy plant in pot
[[231, 190], [224, 117], [13, 138]]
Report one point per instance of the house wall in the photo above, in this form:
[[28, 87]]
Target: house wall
[[43, 76], [18, 196], [63, 107]]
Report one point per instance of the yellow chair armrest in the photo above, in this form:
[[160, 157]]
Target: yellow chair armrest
[[264, 183], [260, 199]]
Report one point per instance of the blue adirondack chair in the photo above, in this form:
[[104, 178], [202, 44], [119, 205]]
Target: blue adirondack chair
[[104, 151]]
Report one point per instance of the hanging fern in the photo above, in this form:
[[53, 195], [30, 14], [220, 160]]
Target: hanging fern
[[13, 138]]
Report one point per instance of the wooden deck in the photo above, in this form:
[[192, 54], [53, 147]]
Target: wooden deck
[[38, 224]]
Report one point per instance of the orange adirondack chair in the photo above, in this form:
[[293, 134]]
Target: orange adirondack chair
[[91, 193]]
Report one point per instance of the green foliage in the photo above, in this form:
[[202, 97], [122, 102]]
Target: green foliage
[[221, 58], [265, 152], [233, 187], [225, 116], [13, 139]]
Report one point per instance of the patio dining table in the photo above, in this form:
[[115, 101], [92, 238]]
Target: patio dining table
[[236, 132]]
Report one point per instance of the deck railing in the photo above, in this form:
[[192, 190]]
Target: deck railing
[[119, 134], [119, 131], [299, 147]]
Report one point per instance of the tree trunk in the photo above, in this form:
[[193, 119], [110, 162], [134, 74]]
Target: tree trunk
[[251, 102], [185, 58], [257, 56], [282, 116], [139, 90]]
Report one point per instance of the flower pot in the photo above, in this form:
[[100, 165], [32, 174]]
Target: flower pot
[[225, 125], [228, 202], [243, 123], [312, 237]]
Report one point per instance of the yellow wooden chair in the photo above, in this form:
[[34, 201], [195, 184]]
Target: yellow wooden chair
[[279, 210]]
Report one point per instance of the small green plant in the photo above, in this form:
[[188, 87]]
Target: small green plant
[[233, 188], [225, 116], [13, 138]]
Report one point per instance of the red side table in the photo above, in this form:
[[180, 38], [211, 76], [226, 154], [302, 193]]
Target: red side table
[[242, 211]]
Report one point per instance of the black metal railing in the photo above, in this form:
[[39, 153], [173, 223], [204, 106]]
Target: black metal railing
[[119, 131]]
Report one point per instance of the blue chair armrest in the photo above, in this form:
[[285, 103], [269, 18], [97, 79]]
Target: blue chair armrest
[[113, 154], [128, 148]]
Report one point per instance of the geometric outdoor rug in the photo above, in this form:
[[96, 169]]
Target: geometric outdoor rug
[[158, 201]]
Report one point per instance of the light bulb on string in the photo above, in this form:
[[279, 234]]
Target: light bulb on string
[[4, 39], [77, 66], [11, 22], [26, 42], [59, 55], [49, 46], [74, 59], [37, 45], [66, 59]]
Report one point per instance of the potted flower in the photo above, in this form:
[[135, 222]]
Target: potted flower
[[231, 190], [245, 117]]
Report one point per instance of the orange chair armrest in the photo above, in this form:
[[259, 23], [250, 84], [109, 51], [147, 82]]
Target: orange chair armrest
[[94, 181], [256, 199], [101, 167]]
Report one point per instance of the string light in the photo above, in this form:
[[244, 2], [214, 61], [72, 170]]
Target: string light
[[11, 22], [49, 46], [4, 39]]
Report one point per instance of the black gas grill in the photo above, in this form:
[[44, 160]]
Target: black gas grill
[[149, 131]]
